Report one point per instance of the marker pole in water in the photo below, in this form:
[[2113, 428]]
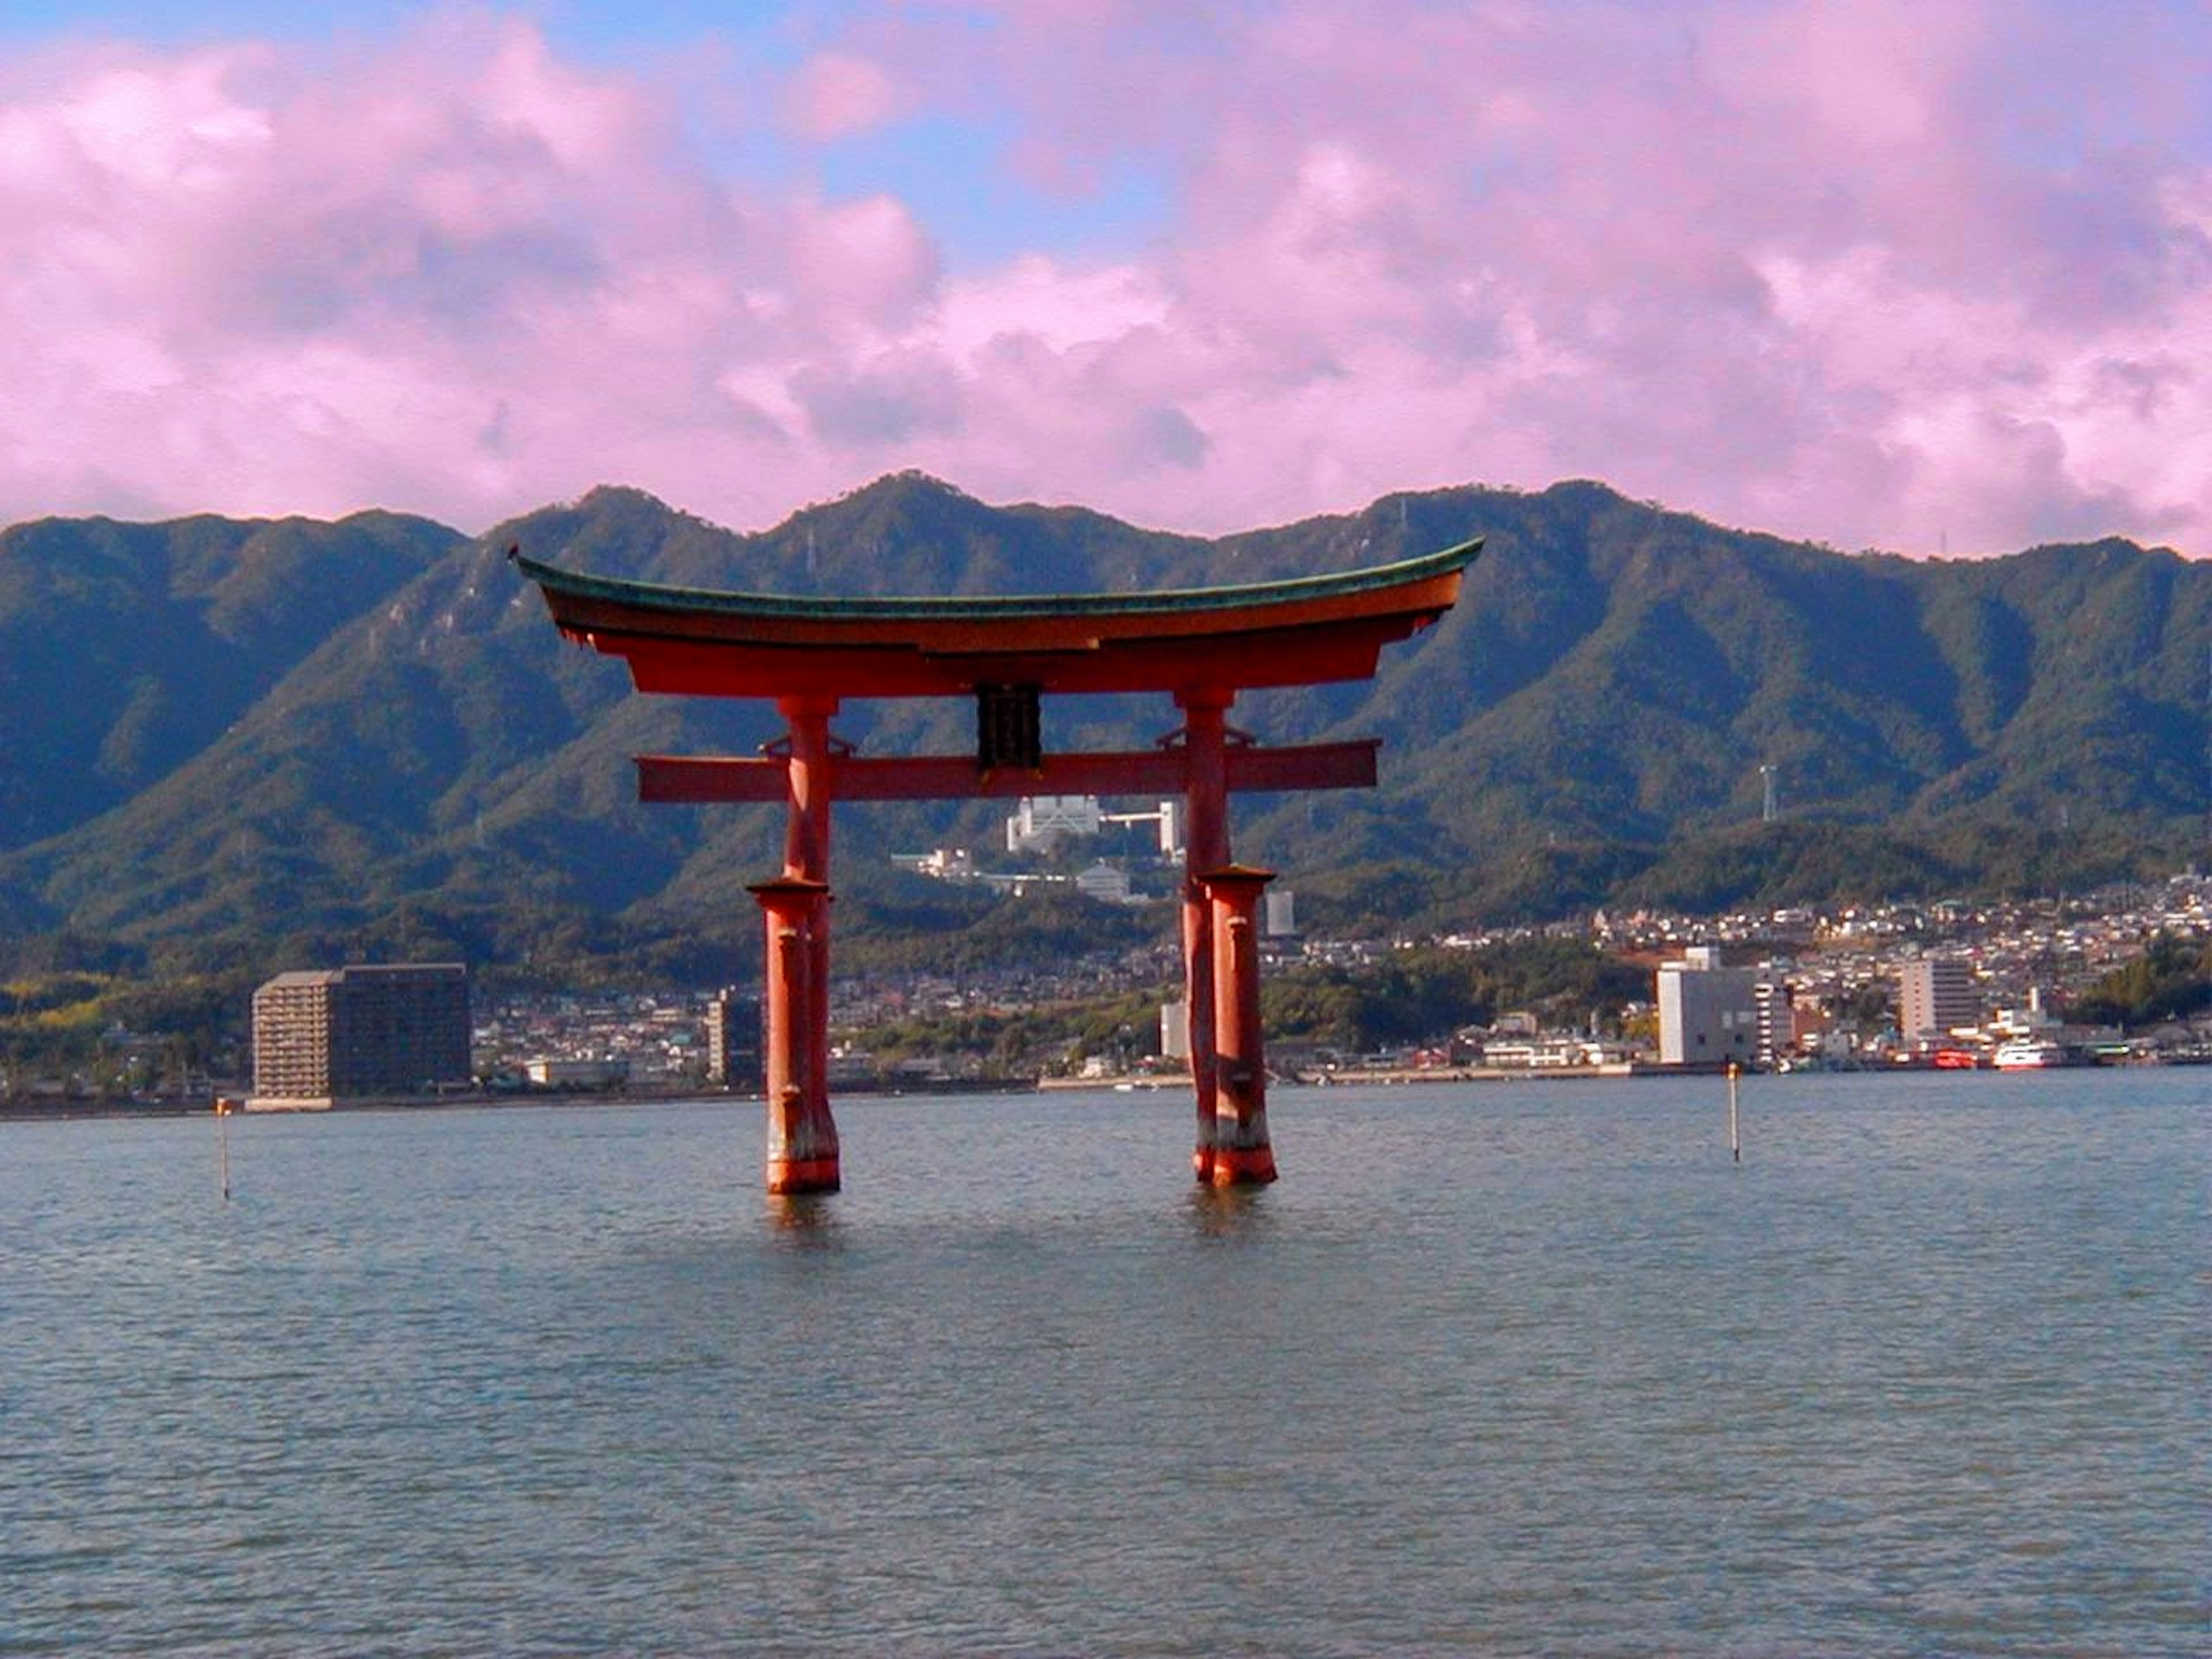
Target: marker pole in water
[[1735, 1136], [222, 1142]]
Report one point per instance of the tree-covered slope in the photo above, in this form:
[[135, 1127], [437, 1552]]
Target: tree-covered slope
[[386, 725], [125, 649]]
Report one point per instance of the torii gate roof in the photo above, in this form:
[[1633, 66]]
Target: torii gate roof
[[707, 642]]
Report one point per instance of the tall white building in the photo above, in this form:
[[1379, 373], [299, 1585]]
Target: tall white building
[[1708, 1014], [1935, 996], [1175, 1031]]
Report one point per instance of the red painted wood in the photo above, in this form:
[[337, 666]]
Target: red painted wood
[[1243, 1154], [705, 779], [713, 669], [810, 773], [992, 629], [802, 1136], [1206, 844]]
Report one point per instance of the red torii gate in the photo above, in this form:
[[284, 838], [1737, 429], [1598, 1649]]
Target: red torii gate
[[1203, 646]]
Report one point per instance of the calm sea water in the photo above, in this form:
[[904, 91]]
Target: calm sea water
[[1496, 1369]]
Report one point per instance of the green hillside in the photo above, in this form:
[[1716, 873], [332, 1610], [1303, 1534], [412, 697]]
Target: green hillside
[[367, 736], [127, 649]]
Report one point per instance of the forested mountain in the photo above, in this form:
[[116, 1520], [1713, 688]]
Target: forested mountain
[[126, 648], [369, 733]]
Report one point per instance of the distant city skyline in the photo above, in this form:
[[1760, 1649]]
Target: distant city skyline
[[1932, 278]]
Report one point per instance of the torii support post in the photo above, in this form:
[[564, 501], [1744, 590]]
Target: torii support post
[[1243, 1155], [1206, 846], [802, 1137], [807, 775]]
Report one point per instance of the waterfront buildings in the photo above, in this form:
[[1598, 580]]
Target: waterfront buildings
[[369, 1029], [576, 1073], [1937, 997]]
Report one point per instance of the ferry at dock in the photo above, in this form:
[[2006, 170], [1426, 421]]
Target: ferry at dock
[[2029, 1054]]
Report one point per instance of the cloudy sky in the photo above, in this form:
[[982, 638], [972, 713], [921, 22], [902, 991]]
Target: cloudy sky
[[1927, 275]]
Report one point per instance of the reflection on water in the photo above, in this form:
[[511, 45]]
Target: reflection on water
[[1923, 1374], [809, 1220], [1228, 1212]]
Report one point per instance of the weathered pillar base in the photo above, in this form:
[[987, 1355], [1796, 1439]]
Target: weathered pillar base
[[1242, 1154], [802, 1148], [1242, 1166], [802, 1136], [791, 1177]]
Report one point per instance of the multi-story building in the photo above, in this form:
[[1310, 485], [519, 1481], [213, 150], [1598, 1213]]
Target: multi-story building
[[1175, 1031], [1041, 822], [1936, 997], [371, 1028], [733, 1039], [1774, 1032], [1708, 1014]]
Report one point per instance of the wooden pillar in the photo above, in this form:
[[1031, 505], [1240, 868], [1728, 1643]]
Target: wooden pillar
[[807, 858], [1242, 1152], [1206, 846], [802, 1138], [806, 772]]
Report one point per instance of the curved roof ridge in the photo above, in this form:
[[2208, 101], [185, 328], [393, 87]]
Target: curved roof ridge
[[658, 596]]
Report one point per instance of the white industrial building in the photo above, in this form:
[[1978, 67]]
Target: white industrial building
[[1102, 882], [1708, 1014], [1041, 822]]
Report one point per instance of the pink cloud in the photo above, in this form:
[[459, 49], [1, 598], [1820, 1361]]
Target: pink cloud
[[836, 94], [1908, 276]]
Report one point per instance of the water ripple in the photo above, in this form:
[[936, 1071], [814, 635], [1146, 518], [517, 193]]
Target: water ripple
[[1924, 1374]]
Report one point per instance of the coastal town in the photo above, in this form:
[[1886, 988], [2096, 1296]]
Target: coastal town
[[1828, 989], [1944, 984]]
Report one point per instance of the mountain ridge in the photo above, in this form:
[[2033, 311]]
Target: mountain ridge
[[396, 730]]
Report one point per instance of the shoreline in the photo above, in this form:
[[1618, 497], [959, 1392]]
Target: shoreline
[[36, 1109]]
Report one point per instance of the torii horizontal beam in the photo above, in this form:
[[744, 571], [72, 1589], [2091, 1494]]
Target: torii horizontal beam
[[1251, 767]]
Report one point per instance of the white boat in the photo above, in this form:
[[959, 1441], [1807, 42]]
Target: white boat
[[2029, 1054]]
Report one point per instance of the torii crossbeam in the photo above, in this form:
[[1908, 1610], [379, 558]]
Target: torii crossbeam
[[1202, 645]]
